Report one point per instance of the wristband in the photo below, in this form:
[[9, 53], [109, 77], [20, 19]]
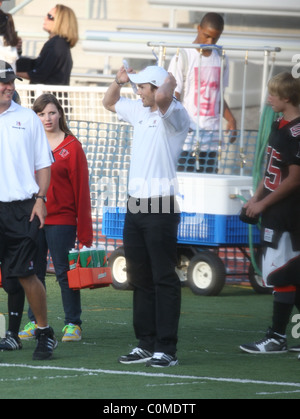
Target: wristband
[[44, 198], [118, 83]]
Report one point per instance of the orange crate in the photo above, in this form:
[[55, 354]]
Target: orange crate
[[80, 278]]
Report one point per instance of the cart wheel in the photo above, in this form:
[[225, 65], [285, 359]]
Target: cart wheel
[[255, 279], [206, 274], [117, 263], [183, 260], [257, 282]]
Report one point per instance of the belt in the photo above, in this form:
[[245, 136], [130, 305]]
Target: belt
[[17, 202]]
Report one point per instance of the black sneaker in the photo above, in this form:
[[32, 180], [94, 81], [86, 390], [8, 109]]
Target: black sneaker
[[271, 344], [294, 348], [46, 343], [160, 360], [11, 342], [136, 356]]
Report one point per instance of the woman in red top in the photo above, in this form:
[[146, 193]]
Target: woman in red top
[[69, 210]]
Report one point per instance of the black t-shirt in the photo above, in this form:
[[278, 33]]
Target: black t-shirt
[[54, 64], [283, 151]]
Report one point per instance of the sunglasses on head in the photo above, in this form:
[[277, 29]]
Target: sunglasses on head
[[50, 17]]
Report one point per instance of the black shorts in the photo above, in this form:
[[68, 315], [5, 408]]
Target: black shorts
[[18, 238]]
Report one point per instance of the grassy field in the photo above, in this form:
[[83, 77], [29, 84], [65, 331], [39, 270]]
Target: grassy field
[[211, 364]]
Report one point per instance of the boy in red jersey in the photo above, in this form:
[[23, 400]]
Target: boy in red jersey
[[278, 200]]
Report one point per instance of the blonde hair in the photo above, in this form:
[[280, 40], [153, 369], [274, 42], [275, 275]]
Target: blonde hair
[[285, 86], [65, 24]]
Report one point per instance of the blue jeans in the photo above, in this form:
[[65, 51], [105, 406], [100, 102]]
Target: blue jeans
[[59, 239]]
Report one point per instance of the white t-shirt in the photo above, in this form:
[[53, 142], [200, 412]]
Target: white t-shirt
[[8, 53], [24, 149], [210, 95], [157, 142]]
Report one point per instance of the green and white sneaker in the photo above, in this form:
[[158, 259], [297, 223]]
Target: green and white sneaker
[[72, 333], [28, 332]]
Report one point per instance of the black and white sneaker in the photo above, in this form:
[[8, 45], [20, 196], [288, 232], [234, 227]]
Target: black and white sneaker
[[11, 342], [160, 360], [295, 348], [46, 343], [273, 343], [136, 356]]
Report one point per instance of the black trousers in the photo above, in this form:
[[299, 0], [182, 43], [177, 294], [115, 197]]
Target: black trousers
[[150, 242]]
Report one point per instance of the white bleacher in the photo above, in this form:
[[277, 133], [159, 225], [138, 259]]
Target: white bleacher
[[92, 14], [100, 53], [257, 7], [254, 7], [90, 59], [134, 44]]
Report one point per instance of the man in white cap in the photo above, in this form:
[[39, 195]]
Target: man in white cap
[[150, 233], [25, 164]]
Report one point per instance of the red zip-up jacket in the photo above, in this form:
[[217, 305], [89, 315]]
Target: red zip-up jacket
[[68, 197]]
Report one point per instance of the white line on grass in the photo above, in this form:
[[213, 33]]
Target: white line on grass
[[155, 375], [277, 392]]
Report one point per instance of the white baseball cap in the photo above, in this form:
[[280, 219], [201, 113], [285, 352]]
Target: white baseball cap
[[153, 74]]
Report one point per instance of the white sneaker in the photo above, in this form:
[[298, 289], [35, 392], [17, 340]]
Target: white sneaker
[[273, 343], [160, 360], [136, 356]]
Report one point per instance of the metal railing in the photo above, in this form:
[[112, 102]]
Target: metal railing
[[134, 44], [265, 51]]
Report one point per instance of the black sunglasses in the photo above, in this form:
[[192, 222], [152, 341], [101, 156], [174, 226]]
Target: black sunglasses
[[50, 17]]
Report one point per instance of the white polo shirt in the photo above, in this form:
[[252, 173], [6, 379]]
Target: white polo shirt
[[24, 149], [157, 142]]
